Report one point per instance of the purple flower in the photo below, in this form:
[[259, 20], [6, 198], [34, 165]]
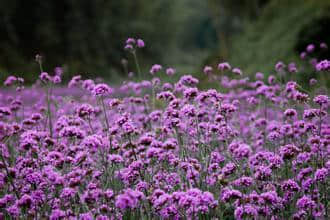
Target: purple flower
[[322, 100], [6, 200], [5, 111], [259, 76], [303, 157], [324, 65], [243, 181], [129, 199], [292, 68], [45, 77], [68, 193], [140, 43], [216, 157], [312, 82], [207, 70], [86, 216], [74, 81], [301, 214], [304, 173], [57, 214], [290, 113], [311, 113], [189, 80], [88, 84], [321, 175], [246, 211], [279, 66], [224, 66], [58, 71], [271, 79], [13, 211], [237, 71], [93, 141], [305, 203], [128, 47], [288, 151], [190, 93], [155, 68], [274, 135], [57, 79], [310, 48], [243, 150], [290, 186], [323, 46], [101, 90], [306, 184], [25, 201], [72, 131], [10, 80], [262, 173], [303, 55], [130, 40], [228, 169], [271, 198], [170, 71]]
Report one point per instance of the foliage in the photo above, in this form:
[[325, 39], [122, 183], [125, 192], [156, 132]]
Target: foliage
[[81, 33], [277, 32]]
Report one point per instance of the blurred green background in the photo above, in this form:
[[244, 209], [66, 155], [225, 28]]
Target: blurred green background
[[87, 37]]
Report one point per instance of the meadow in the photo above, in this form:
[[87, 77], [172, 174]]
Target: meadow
[[151, 149]]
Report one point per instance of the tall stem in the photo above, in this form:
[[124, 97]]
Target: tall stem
[[153, 98], [40, 66], [48, 97], [9, 177], [320, 122], [137, 65], [105, 114], [265, 114], [90, 124], [48, 92]]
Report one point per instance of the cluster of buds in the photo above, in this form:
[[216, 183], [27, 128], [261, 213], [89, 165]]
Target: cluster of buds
[[56, 79], [17, 81], [132, 44], [45, 77], [311, 48]]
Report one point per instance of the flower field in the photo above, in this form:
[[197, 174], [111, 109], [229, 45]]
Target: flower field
[[151, 149]]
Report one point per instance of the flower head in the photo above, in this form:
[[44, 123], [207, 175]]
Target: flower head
[[224, 66], [155, 68], [101, 90], [140, 43]]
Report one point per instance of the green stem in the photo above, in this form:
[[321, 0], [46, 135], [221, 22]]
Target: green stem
[[40, 66], [320, 122], [105, 114], [48, 92], [153, 97], [9, 177], [90, 125], [137, 65]]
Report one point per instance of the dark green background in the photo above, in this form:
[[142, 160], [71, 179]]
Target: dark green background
[[87, 37]]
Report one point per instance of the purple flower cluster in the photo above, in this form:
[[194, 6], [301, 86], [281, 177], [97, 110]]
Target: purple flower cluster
[[101, 89], [324, 65], [259, 149], [132, 43], [155, 68]]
